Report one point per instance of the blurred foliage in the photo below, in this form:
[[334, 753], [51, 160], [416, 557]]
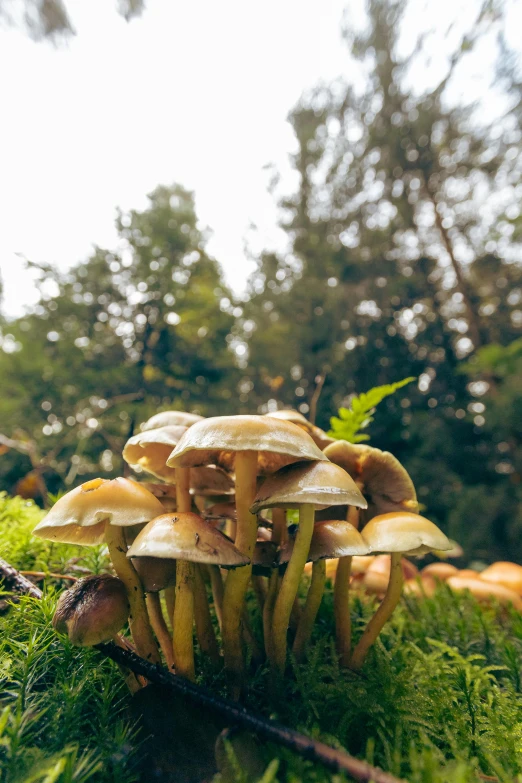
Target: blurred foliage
[[404, 259], [350, 421], [49, 19]]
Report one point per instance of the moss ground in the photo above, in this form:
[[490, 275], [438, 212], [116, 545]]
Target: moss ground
[[440, 698]]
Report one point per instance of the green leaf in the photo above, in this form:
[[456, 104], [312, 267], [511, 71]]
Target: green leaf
[[350, 421]]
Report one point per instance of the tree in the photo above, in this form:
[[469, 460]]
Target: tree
[[399, 262], [125, 334]]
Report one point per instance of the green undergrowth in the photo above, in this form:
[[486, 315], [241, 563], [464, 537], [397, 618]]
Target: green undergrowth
[[440, 698]]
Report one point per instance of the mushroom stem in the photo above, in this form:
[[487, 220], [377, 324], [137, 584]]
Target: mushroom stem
[[382, 615], [279, 529], [170, 600], [159, 627], [138, 619], [216, 580], [204, 629], [268, 610], [260, 589], [343, 620], [290, 586], [238, 579], [183, 617], [311, 607], [183, 622]]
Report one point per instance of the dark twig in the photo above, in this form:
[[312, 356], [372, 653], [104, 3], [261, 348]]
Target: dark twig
[[319, 383], [308, 748], [13, 580]]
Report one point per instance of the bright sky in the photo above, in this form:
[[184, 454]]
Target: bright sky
[[194, 92]]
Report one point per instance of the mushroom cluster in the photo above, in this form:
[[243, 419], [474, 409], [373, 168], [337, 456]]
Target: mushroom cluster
[[187, 549]]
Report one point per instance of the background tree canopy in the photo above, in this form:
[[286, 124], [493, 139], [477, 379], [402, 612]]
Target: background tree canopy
[[403, 259]]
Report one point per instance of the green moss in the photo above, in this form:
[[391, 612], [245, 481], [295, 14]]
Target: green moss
[[439, 699]]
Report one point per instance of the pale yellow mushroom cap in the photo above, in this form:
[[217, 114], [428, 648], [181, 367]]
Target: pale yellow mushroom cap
[[320, 484], [403, 532], [80, 516], [504, 573], [170, 419], [319, 436], [485, 591], [186, 536], [440, 571], [334, 538], [216, 440], [150, 450], [385, 482]]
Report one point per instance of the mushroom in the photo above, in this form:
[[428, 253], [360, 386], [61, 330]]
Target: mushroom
[[304, 486], [249, 444], [170, 419], [376, 578], [504, 573], [396, 533], [186, 538], [98, 511], [319, 436], [93, 610], [150, 449], [485, 591], [330, 539], [440, 571], [387, 487]]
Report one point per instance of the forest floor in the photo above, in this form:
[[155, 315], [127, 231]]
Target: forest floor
[[439, 699]]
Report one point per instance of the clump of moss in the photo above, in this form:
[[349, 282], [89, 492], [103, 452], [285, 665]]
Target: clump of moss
[[438, 701]]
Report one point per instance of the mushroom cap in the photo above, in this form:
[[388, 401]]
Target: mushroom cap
[[381, 564], [330, 539], [170, 419], [504, 573], [155, 573], [422, 586], [403, 532], [319, 436], [216, 440], [440, 571], [361, 563], [264, 558], [319, 484], [150, 450], [186, 536], [211, 480], [485, 591], [220, 511], [385, 482], [80, 516], [468, 573], [93, 610]]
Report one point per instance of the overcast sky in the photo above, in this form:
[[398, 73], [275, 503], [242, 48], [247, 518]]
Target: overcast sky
[[195, 92]]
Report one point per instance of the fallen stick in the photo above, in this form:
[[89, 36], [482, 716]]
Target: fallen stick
[[308, 748]]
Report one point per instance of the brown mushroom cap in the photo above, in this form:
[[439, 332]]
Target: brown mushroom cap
[[150, 450], [403, 532], [93, 610], [80, 516], [319, 436], [330, 539], [170, 419], [485, 591], [156, 573], [385, 482], [504, 573], [319, 484], [216, 440], [441, 571], [211, 480], [186, 536]]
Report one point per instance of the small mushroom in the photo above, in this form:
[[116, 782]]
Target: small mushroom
[[319, 436], [249, 445], [100, 510], [504, 573], [306, 486], [187, 538], [150, 449], [439, 571], [171, 419], [485, 591], [396, 533], [93, 610]]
